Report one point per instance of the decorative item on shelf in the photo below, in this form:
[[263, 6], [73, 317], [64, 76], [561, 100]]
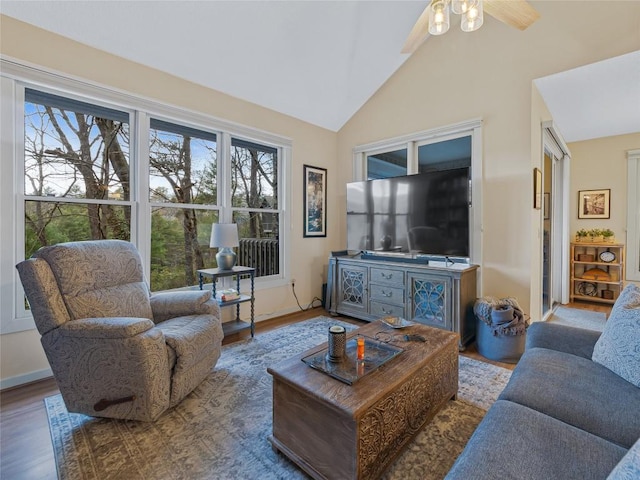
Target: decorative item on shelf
[[227, 295], [587, 289], [595, 235], [608, 294], [581, 235], [608, 236], [607, 256], [224, 236], [596, 274]]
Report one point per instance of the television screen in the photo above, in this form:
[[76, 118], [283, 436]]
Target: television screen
[[427, 213]]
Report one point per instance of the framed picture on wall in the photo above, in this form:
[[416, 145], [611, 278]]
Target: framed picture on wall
[[537, 189], [315, 201], [594, 203]]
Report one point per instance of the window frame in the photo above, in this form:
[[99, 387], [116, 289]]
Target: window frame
[[632, 267], [412, 141], [16, 76]]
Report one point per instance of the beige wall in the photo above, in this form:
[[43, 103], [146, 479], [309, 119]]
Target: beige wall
[[453, 78], [489, 74], [21, 353], [602, 164]]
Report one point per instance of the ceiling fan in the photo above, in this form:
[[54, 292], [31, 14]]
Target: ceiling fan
[[516, 13]]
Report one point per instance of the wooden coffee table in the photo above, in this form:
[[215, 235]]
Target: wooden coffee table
[[333, 430]]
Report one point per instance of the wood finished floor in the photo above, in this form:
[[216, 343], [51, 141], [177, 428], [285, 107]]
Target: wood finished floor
[[25, 444]]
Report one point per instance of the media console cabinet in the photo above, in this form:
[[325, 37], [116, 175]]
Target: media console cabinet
[[437, 294]]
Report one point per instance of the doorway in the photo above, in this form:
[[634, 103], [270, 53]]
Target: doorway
[[555, 221]]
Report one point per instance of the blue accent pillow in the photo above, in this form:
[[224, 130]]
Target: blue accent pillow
[[618, 348], [629, 467]]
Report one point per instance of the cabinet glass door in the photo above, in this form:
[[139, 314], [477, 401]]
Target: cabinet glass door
[[429, 300], [352, 288]]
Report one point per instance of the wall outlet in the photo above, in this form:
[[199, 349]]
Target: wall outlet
[[293, 282]]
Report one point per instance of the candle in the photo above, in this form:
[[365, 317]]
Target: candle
[[337, 343], [360, 341]]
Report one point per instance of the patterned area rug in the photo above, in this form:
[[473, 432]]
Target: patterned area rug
[[221, 429], [575, 317]]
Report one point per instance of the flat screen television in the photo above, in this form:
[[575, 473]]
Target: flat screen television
[[426, 213]]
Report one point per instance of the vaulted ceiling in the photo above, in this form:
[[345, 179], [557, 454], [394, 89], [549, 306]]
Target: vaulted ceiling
[[318, 61]]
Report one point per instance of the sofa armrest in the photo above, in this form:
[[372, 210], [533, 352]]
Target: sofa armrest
[[109, 327], [562, 338], [166, 305]]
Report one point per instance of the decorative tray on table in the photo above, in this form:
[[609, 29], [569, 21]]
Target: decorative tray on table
[[350, 369], [397, 322]]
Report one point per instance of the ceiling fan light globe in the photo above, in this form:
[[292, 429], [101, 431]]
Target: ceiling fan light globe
[[473, 18], [461, 6], [438, 17]]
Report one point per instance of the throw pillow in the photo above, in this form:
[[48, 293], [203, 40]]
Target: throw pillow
[[629, 466], [618, 348]]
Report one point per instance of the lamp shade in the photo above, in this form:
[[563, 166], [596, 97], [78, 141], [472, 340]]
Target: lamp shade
[[224, 235]]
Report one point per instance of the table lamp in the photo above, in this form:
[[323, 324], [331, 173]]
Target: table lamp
[[224, 236]]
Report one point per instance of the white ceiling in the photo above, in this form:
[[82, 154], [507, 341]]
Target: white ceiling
[[318, 61], [597, 100]]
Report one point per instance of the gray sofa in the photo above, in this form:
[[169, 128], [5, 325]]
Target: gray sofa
[[571, 409]]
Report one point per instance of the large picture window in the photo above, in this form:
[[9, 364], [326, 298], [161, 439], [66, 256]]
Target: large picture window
[[103, 165]]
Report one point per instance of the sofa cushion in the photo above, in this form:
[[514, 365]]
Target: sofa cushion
[[618, 348], [577, 391], [516, 442], [629, 467], [577, 341]]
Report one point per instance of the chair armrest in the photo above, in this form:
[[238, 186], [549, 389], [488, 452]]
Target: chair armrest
[[166, 305], [108, 327]]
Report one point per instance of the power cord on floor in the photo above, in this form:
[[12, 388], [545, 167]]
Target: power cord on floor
[[308, 307]]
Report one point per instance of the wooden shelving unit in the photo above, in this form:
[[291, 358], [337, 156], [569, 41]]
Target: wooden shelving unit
[[602, 285]]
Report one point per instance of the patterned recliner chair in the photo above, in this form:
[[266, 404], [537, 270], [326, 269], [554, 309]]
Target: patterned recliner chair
[[115, 349]]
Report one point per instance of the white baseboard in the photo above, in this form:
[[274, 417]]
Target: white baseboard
[[26, 378]]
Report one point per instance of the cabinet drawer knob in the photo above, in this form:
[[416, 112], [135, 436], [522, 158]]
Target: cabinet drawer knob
[[386, 276], [385, 311], [386, 294]]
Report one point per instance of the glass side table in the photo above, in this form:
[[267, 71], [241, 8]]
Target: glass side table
[[239, 272]]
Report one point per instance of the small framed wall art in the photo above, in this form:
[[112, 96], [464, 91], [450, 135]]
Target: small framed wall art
[[315, 201], [537, 189], [594, 203]]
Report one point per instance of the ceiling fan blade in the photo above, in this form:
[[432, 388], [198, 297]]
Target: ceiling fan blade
[[516, 13], [418, 34]]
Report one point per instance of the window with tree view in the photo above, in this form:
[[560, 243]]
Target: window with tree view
[[79, 184], [77, 175], [183, 194], [254, 197]]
